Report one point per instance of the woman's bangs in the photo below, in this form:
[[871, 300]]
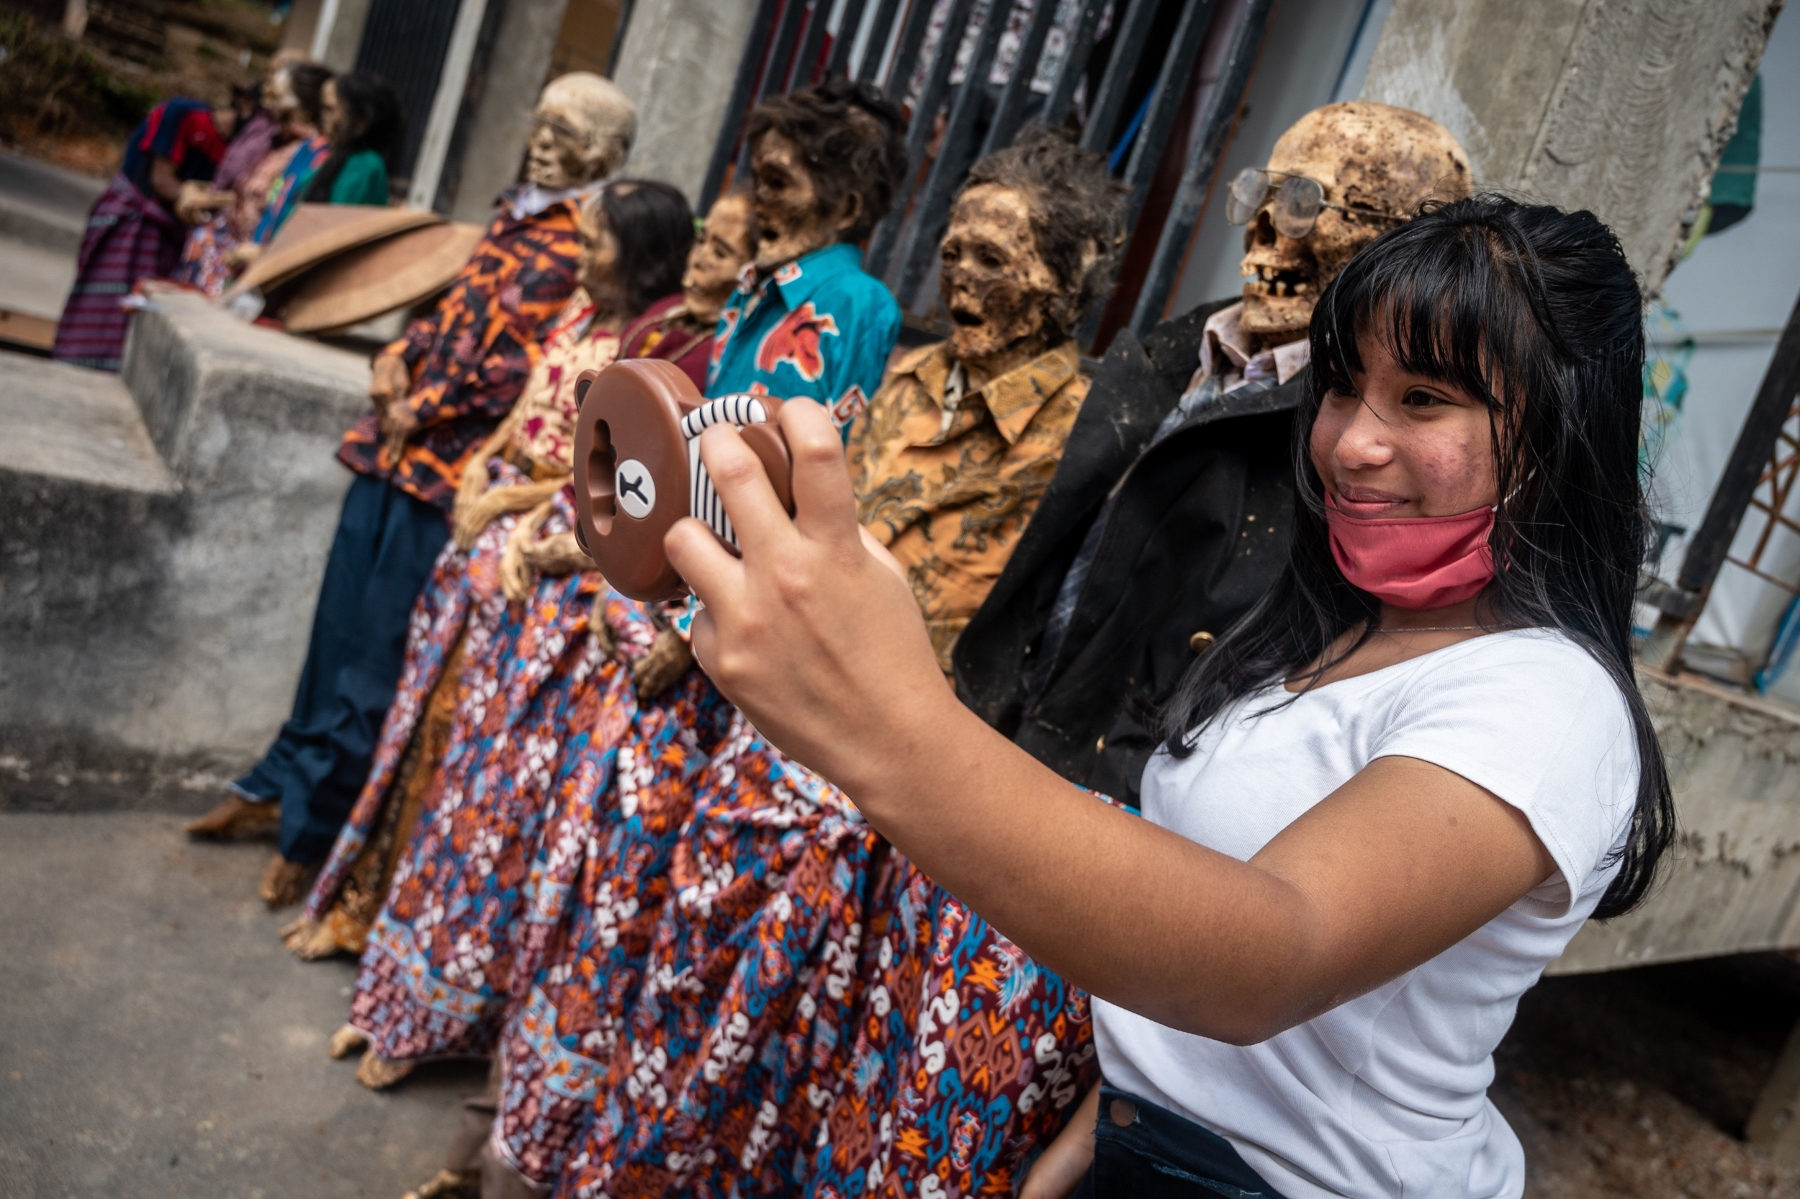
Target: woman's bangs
[[1444, 308]]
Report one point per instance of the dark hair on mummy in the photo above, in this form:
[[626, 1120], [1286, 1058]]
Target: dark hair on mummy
[[852, 138], [1077, 212], [1536, 313]]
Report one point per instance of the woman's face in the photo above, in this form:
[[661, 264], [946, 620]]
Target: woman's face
[[599, 256], [1404, 445], [331, 113]]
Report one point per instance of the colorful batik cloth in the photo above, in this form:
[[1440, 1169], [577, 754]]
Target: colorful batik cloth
[[730, 1055], [470, 356], [968, 1056], [436, 976], [286, 189], [818, 327], [604, 866], [947, 475], [666, 330]]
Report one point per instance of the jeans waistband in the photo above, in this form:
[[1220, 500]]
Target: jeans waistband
[[1140, 1148]]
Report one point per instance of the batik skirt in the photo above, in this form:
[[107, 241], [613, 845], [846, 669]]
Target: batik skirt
[[436, 978]]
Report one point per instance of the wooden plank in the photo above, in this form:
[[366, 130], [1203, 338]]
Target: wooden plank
[[24, 330]]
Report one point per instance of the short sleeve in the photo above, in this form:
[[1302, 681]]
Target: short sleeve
[[1534, 719]]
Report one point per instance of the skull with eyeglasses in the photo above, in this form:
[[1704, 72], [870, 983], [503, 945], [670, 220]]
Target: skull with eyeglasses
[[1341, 176]]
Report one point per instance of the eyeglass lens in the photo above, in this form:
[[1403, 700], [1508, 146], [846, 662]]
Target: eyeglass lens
[[1298, 200], [1298, 203]]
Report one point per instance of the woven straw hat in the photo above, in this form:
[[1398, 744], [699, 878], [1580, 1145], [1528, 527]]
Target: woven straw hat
[[395, 272], [317, 232]]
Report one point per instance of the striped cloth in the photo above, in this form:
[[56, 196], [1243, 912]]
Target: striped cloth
[[129, 237]]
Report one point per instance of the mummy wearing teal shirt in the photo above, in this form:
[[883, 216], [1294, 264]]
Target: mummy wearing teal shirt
[[817, 327]]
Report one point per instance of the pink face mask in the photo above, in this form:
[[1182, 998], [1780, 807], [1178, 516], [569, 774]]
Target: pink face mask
[[1414, 562]]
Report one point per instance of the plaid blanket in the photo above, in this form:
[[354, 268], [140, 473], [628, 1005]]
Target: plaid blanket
[[129, 237]]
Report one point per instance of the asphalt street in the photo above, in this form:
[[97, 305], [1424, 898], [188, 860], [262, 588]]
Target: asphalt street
[[157, 1039]]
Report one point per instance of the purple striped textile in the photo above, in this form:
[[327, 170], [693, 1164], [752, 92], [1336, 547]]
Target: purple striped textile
[[129, 237]]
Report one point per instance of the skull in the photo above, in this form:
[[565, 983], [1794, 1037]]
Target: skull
[[584, 130], [1376, 165], [719, 253], [994, 282]]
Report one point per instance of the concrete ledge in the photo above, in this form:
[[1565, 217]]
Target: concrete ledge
[[1732, 884], [157, 579]]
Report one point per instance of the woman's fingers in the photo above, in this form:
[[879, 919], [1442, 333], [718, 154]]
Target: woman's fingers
[[824, 502], [744, 488], [703, 562]]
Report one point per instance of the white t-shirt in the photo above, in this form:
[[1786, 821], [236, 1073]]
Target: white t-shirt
[[1386, 1095]]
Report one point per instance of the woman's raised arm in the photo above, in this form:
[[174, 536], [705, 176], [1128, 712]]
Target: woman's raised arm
[[821, 645]]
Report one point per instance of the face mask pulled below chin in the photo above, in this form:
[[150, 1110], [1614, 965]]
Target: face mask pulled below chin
[[1416, 562]]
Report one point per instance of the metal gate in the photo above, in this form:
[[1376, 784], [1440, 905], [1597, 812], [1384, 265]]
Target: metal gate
[[405, 42], [1155, 84]]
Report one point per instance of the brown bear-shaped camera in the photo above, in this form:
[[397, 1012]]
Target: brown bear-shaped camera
[[638, 468]]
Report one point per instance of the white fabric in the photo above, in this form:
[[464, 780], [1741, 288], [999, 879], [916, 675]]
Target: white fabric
[[1225, 351], [1386, 1095]]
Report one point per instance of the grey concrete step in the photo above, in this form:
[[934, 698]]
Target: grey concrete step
[[44, 204], [67, 422]]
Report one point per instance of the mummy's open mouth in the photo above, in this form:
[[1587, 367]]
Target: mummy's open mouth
[[1273, 281]]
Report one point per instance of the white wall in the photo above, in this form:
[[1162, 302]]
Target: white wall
[[1743, 279]]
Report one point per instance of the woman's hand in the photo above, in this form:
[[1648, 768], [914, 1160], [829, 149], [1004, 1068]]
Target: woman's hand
[[815, 637], [1059, 1169]]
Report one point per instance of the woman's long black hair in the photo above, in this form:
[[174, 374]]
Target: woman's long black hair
[[374, 122], [654, 227], [1483, 293]]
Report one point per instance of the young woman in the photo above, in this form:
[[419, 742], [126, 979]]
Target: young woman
[[1389, 796], [301, 110], [362, 119]]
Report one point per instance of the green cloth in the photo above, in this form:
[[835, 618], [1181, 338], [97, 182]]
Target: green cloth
[[1738, 188], [364, 180]]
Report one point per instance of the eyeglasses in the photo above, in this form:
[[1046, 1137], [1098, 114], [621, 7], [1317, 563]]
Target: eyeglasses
[[557, 127], [1298, 201]]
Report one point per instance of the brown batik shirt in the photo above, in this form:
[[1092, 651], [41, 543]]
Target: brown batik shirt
[[949, 486]]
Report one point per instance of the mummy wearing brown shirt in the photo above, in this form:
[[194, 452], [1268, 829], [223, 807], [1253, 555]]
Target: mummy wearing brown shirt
[[954, 452]]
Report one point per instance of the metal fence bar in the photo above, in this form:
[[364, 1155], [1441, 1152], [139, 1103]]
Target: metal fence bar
[[912, 38], [749, 66], [1008, 113], [818, 17], [1129, 37], [953, 158], [937, 82], [1215, 123], [875, 49], [849, 25], [1170, 90], [1774, 405], [1074, 63], [781, 50]]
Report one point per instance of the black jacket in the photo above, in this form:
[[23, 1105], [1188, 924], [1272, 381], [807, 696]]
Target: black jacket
[[1200, 529]]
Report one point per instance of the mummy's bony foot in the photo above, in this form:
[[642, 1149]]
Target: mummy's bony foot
[[449, 1184], [378, 1074], [236, 817], [310, 940], [284, 883], [346, 1041]]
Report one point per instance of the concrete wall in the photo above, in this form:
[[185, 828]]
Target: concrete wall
[[516, 70], [159, 560], [1620, 106], [677, 64], [1732, 884]]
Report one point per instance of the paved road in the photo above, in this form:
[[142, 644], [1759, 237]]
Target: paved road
[[156, 1039]]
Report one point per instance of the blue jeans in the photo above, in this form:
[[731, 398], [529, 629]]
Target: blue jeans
[[1142, 1151], [386, 544]]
